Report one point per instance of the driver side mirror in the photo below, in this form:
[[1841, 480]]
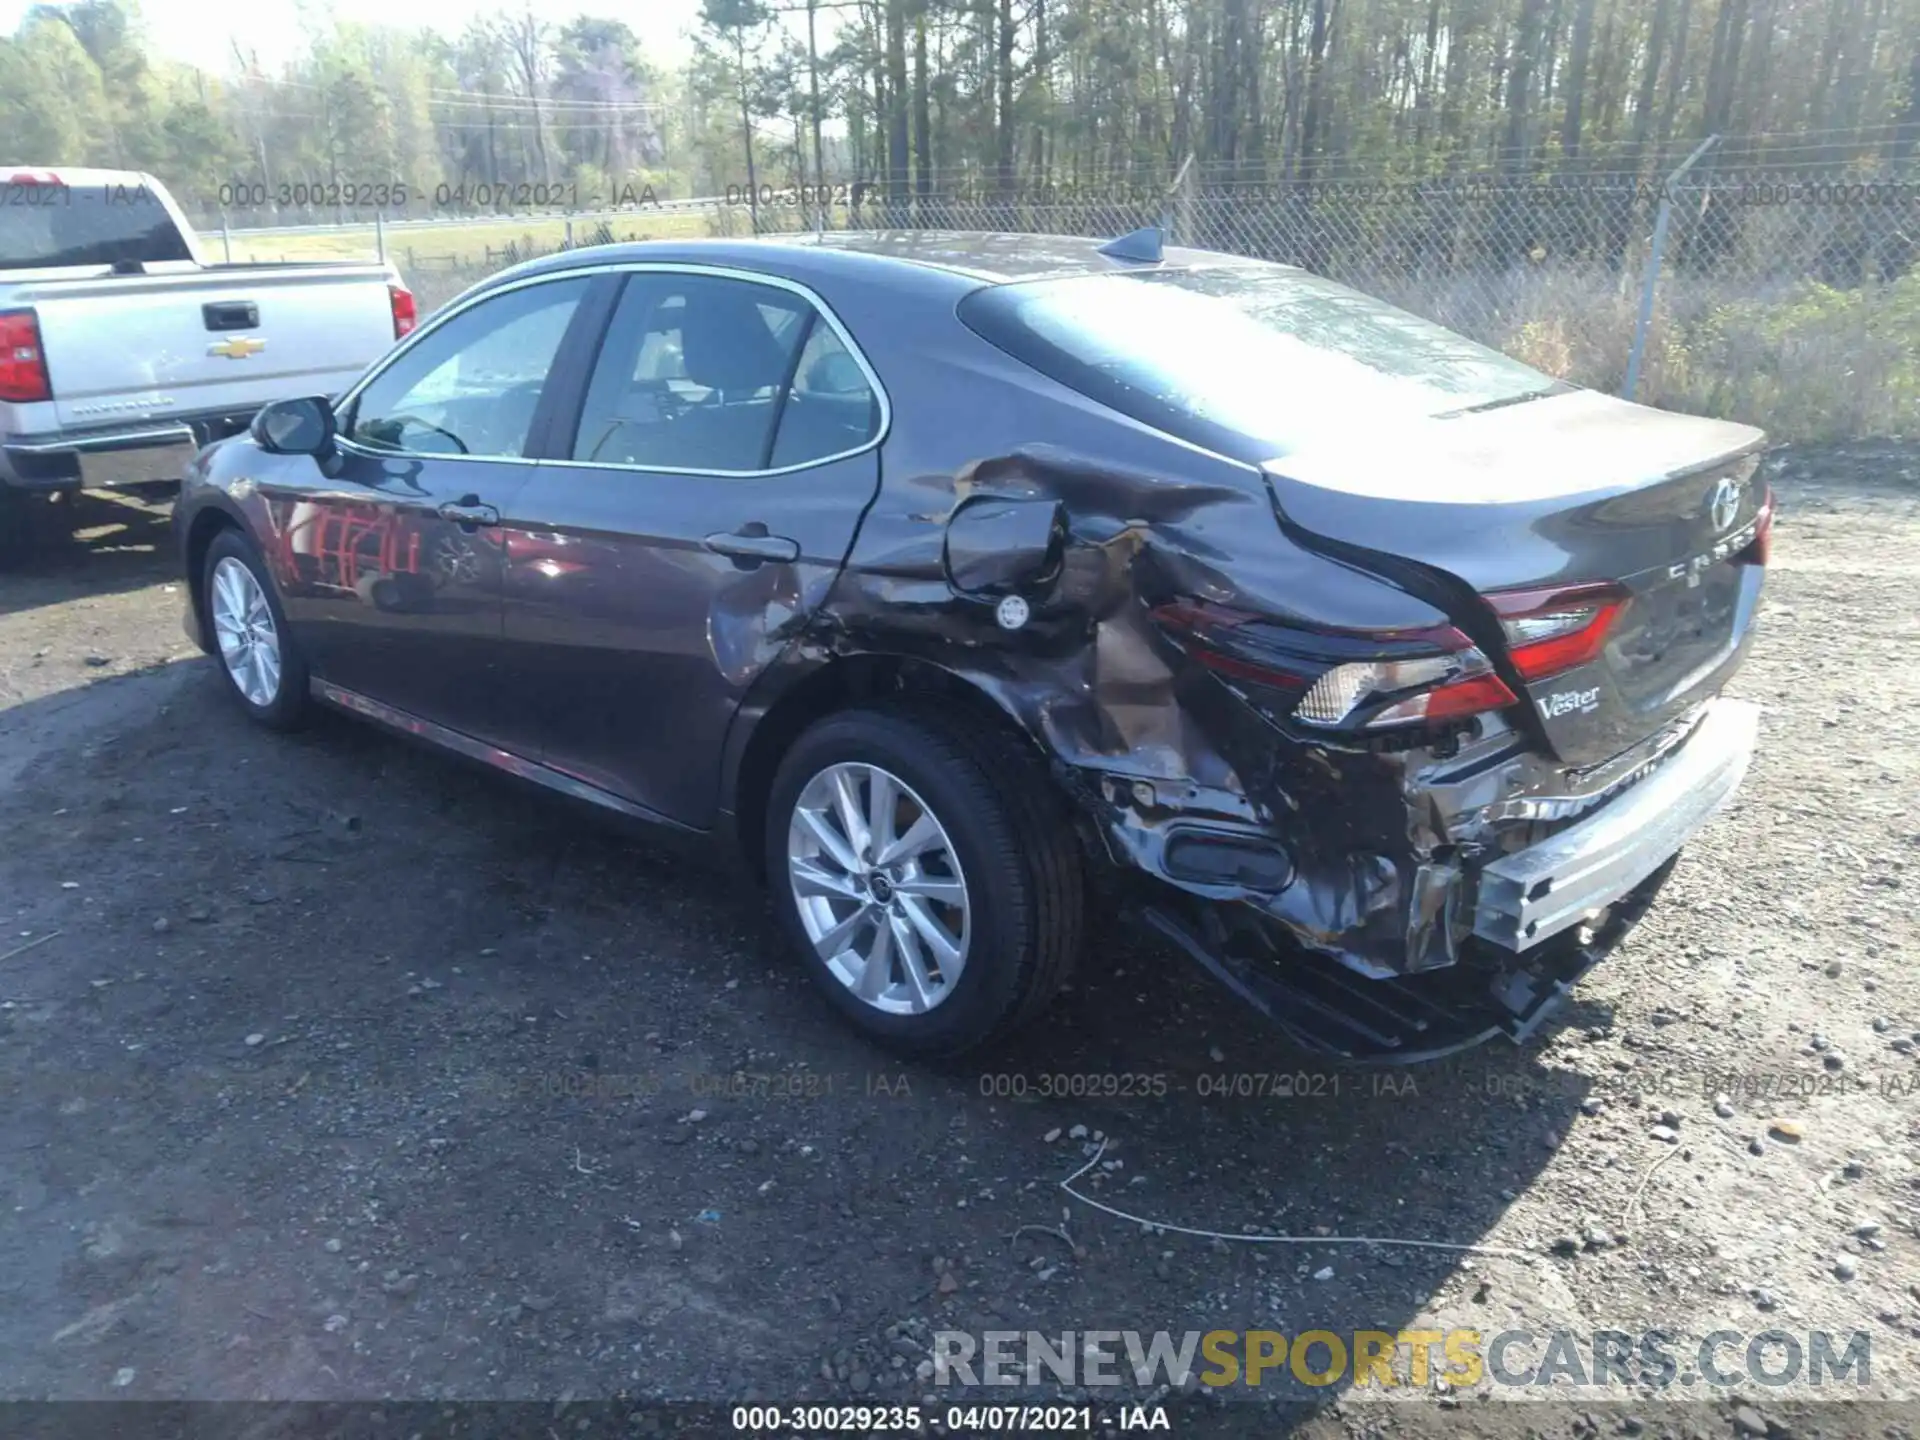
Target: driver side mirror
[[296, 427]]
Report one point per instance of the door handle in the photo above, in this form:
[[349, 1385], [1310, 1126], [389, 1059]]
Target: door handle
[[468, 513], [231, 315], [746, 544]]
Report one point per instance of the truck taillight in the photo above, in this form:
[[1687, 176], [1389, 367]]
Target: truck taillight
[[406, 313], [23, 365], [1553, 629]]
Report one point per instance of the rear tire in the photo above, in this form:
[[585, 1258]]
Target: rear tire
[[260, 664], [973, 931]]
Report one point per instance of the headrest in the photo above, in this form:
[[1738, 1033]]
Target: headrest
[[725, 343], [835, 373]]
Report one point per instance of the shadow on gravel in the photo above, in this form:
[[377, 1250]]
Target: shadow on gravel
[[115, 543], [566, 1119]]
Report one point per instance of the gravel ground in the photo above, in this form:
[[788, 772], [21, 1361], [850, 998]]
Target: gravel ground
[[342, 1070]]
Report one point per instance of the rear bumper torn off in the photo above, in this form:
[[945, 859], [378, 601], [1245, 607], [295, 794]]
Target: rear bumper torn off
[[1326, 1008], [1536, 893], [1540, 919]]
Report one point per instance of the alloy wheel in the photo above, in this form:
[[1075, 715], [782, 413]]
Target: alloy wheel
[[249, 640], [879, 888]]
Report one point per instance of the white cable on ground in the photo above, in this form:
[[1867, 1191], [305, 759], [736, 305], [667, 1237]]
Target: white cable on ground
[[1067, 1185]]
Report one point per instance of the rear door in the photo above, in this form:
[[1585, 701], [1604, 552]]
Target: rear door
[[389, 557], [705, 488]]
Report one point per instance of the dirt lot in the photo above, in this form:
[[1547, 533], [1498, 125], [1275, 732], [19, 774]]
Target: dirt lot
[[350, 1072]]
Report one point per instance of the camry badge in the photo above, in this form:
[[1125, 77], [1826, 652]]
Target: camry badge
[[1724, 504], [238, 348]]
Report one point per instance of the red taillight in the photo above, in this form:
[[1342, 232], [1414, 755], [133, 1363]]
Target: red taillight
[[1552, 630], [406, 314], [1472, 696], [1202, 627], [1343, 679], [1238, 669], [23, 365], [1761, 550]]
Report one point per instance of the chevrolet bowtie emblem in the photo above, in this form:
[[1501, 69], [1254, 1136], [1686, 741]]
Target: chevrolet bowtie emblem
[[238, 348]]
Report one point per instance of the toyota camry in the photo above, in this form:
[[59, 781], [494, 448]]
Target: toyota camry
[[949, 580]]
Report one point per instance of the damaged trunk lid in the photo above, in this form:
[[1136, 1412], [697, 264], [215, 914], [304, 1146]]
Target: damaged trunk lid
[[1647, 525]]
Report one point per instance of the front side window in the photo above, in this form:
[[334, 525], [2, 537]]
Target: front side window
[[709, 373], [1254, 360], [470, 387]]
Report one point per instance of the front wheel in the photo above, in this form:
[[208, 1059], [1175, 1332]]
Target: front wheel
[[926, 874], [262, 665]]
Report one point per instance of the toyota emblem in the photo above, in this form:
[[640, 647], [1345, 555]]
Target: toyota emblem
[[1724, 504]]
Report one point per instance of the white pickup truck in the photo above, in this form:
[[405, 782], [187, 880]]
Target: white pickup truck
[[122, 350]]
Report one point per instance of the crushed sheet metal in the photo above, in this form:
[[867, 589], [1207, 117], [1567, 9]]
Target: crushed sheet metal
[[1090, 549]]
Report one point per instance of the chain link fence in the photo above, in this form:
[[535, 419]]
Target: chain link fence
[[1785, 296]]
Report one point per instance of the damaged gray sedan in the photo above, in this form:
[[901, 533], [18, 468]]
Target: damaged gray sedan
[[954, 580]]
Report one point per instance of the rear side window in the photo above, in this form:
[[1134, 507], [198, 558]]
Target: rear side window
[[710, 373], [690, 374], [1255, 361], [830, 407], [46, 225]]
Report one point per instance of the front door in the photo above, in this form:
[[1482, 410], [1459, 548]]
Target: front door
[[389, 558], [692, 517]]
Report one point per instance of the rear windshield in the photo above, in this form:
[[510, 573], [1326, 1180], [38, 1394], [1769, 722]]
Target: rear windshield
[[46, 225], [1255, 361]]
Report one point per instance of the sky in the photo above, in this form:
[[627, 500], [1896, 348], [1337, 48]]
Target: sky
[[198, 33]]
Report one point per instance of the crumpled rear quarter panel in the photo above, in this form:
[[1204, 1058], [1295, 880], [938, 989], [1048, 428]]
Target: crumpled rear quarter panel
[[1091, 677]]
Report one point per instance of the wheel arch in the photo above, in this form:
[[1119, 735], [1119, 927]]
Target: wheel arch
[[825, 686], [206, 523]]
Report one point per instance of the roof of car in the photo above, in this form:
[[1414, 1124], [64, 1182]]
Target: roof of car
[[961, 259], [996, 256]]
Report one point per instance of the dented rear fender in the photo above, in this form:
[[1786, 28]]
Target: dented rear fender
[[1182, 779]]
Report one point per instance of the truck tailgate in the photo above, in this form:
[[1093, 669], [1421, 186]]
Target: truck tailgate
[[152, 346]]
